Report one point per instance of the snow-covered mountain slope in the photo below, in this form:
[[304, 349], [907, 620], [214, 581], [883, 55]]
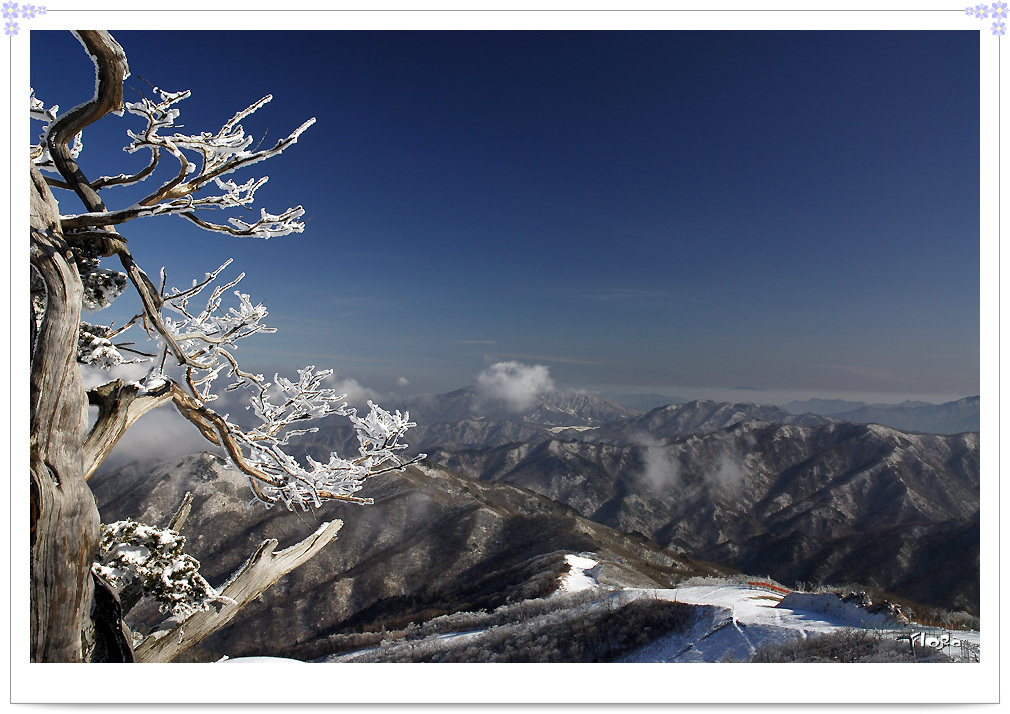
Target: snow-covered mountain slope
[[432, 543], [718, 620], [737, 620]]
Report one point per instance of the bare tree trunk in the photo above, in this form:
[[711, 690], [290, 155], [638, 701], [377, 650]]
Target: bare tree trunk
[[64, 517], [119, 405], [263, 569], [74, 616]]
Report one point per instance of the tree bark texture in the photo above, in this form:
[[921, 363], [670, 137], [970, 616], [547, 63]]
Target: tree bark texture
[[120, 404], [69, 622], [74, 618], [64, 516]]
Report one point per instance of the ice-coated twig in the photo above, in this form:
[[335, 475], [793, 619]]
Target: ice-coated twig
[[214, 156], [282, 408]]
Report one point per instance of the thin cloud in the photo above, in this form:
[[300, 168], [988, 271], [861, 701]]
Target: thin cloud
[[548, 358], [660, 470], [628, 296], [880, 375]]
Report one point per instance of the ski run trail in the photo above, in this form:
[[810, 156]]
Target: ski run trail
[[733, 622]]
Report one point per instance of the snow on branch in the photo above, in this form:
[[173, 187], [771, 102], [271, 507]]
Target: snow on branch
[[40, 152], [95, 347], [220, 153], [339, 478], [203, 158], [154, 557], [280, 408], [206, 334]]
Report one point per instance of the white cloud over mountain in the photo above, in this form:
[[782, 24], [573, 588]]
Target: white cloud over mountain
[[516, 384]]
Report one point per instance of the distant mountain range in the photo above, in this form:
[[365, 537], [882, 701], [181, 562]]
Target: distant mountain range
[[659, 495], [953, 417], [459, 420], [580, 409], [698, 417], [801, 497], [645, 402], [835, 502], [560, 408], [831, 407]]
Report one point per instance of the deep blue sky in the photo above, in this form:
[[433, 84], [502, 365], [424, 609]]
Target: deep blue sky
[[684, 212]]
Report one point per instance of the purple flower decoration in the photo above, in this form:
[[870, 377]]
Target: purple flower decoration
[[999, 10], [26, 11], [969, 10], [999, 28], [981, 11]]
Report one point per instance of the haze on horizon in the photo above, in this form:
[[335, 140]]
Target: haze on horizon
[[742, 216]]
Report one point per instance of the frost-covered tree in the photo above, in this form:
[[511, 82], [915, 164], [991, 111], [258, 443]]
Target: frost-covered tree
[[83, 574]]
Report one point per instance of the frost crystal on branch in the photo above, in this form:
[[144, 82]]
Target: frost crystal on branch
[[219, 154], [101, 286], [213, 156], [281, 408], [339, 478]]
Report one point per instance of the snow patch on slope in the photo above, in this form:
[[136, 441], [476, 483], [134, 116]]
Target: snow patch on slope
[[736, 621], [582, 573]]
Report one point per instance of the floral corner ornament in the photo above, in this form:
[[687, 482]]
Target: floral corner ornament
[[12, 11], [997, 11]]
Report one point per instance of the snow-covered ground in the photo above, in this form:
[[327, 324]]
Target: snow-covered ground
[[738, 619], [582, 575], [733, 621]]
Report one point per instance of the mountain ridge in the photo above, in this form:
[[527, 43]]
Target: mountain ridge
[[433, 543], [777, 491]]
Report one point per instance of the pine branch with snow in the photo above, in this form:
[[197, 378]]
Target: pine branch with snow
[[155, 558]]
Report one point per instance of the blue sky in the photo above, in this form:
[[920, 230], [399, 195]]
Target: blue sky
[[683, 212]]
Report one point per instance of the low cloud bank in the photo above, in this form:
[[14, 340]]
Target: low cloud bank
[[161, 435], [731, 474], [517, 385], [164, 434], [661, 470]]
